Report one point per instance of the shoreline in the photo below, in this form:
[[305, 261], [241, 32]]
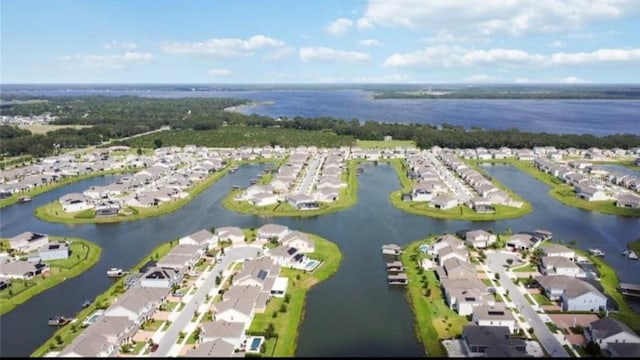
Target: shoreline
[[252, 104]]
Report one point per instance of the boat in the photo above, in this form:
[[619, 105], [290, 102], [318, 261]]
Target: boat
[[391, 249], [233, 169], [86, 303], [596, 252], [58, 321], [24, 199], [632, 255], [116, 272]]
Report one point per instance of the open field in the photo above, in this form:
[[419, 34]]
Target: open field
[[286, 324], [43, 129], [84, 254], [564, 192], [459, 212]]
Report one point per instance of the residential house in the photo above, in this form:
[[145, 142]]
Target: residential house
[[491, 341], [575, 294], [160, 277], [53, 251], [27, 242], [520, 242], [230, 233], [299, 240], [608, 331], [463, 295], [22, 270], [480, 239], [591, 193], [75, 202], [235, 310], [270, 231], [628, 201], [230, 332], [202, 238], [559, 265], [455, 268], [494, 315], [443, 202], [138, 304]]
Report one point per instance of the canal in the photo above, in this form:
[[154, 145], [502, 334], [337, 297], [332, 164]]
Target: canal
[[354, 313]]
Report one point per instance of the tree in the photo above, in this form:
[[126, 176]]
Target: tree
[[218, 280], [58, 339], [287, 298], [139, 151], [283, 308], [497, 276], [269, 332], [593, 348], [157, 143]]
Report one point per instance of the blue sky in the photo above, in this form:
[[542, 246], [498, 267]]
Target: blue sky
[[329, 41]]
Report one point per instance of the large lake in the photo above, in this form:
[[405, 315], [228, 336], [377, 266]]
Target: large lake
[[597, 117], [354, 313]]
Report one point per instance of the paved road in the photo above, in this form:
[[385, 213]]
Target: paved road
[[181, 322], [551, 344]]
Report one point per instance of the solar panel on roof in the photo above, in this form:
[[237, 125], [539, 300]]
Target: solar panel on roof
[[262, 274]]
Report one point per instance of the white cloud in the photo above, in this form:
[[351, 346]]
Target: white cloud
[[479, 78], [573, 80], [491, 16], [115, 44], [455, 56], [222, 47], [391, 78], [339, 27], [279, 53], [556, 44], [219, 72], [369, 42], [108, 61], [445, 37], [321, 53]]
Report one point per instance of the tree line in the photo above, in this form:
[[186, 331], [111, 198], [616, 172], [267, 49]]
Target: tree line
[[118, 117]]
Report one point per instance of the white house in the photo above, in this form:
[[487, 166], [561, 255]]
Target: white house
[[591, 193], [496, 315], [480, 239], [28, 241], [607, 331], [269, 231], [231, 332], [75, 202], [235, 310], [203, 238], [300, 241]]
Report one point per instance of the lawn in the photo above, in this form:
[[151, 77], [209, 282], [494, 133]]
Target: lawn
[[459, 212], [84, 254], [70, 331], [564, 192], [525, 268], [53, 212], [541, 299], [66, 181], [43, 129], [348, 197], [286, 324], [382, 144], [434, 320]]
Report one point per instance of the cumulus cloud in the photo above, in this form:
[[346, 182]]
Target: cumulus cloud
[[487, 17], [455, 56], [369, 42], [339, 27], [321, 53], [115, 44], [445, 37], [219, 72], [118, 61], [222, 47]]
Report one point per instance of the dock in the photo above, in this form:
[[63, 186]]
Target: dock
[[398, 279], [630, 289], [391, 249], [395, 267]]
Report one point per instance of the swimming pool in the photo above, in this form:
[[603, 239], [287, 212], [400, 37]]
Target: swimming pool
[[311, 265], [254, 346], [92, 318]]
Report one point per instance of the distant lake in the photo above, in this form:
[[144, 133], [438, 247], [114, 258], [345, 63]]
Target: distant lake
[[597, 117]]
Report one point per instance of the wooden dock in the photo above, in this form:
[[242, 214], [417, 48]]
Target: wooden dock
[[630, 289], [398, 279], [395, 267], [391, 249]]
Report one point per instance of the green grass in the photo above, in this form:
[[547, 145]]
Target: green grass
[[564, 192], [459, 212], [69, 180], [541, 299], [348, 197], [525, 268], [53, 212], [238, 136], [103, 300], [373, 144], [43, 129], [153, 325], [433, 318], [84, 255], [287, 324]]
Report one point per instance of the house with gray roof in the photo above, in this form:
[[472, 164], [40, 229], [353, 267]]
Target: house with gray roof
[[235, 310], [485, 341], [608, 331], [230, 233], [158, 277], [202, 237], [448, 252], [575, 294], [455, 268], [53, 251], [479, 239], [117, 330], [463, 295], [558, 265], [90, 345], [212, 349], [138, 304], [446, 240], [28, 241], [268, 231], [288, 256], [21, 269], [494, 315], [299, 240], [629, 201], [520, 242], [230, 332], [629, 350], [552, 249]]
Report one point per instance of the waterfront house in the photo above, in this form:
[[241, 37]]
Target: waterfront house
[[28, 241], [494, 315], [230, 233], [212, 349], [559, 265], [138, 304], [608, 331], [557, 250], [448, 252], [116, 330], [302, 202], [75, 202], [520, 242], [444, 241], [160, 277], [491, 341], [574, 294], [443, 202], [230, 332], [299, 240], [628, 201], [90, 345], [202, 238], [22, 270], [590, 193], [479, 239], [463, 295], [270, 231], [53, 251], [455, 268]]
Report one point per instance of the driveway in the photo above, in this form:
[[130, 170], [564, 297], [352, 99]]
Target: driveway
[[495, 262]]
